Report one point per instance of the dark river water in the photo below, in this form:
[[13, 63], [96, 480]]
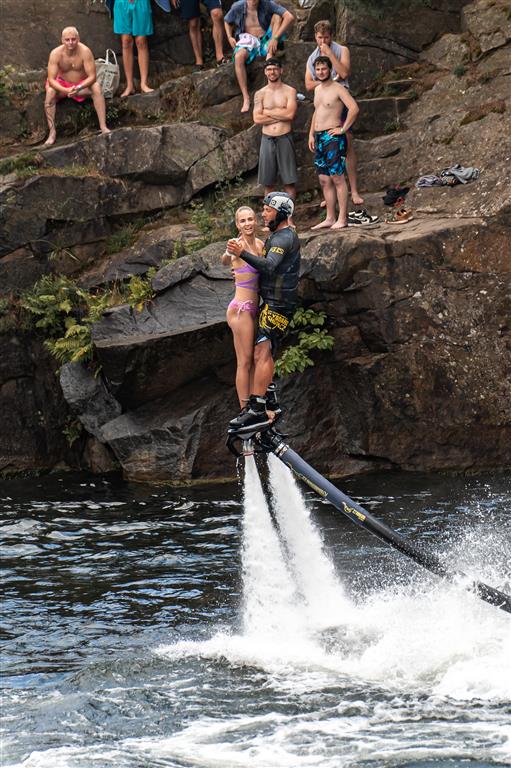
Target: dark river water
[[150, 627]]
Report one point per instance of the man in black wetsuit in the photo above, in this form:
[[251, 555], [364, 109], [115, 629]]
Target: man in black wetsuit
[[279, 269]]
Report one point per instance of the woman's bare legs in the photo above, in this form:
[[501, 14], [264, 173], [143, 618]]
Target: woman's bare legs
[[242, 326]]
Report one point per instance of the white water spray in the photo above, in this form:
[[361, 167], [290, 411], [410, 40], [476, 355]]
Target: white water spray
[[270, 597], [312, 568]]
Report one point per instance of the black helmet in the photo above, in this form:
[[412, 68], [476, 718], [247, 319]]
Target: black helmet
[[282, 202]]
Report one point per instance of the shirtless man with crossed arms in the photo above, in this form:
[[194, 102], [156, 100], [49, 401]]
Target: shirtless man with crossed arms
[[275, 109], [72, 75], [327, 139]]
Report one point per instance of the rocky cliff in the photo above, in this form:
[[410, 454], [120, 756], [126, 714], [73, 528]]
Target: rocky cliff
[[419, 376]]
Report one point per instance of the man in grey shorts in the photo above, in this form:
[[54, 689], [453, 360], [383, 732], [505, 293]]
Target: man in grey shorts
[[275, 109]]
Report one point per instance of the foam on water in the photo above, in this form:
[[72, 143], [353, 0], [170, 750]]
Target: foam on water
[[300, 627], [349, 684]]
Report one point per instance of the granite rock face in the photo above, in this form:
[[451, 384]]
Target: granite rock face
[[88, 398], [33, 412], [104, 179], [421, 357], [419, 376]]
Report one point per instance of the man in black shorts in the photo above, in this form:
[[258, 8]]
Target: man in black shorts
[[275, 109], [190, 12], [279, 269]]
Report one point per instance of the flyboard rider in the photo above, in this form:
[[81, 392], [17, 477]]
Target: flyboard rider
[[279, 268]]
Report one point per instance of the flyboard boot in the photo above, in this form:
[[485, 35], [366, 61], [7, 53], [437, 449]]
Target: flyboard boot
[[252, 418], [272, 404]]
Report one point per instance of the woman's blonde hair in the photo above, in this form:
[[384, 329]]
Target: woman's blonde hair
[[243, 208]]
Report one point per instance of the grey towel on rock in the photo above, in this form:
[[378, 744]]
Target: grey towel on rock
[[429, 181], [461, 173]]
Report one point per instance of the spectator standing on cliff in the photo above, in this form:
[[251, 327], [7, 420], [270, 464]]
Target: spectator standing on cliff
[[339, 57], [72, 75], [133, 20], [190, 12], [327, 139], [275, 109], [254, 28]]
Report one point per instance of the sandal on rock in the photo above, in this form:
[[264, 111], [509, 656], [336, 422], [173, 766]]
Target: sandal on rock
[[401, 216]]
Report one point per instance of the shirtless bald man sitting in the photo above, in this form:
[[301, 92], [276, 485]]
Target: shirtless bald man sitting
[[72, 75]]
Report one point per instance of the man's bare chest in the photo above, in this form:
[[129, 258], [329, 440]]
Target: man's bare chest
[[326, 101], [252, 24], [71, 63], [274, 99]]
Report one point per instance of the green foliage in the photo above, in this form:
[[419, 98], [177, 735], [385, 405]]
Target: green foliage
[[202, 220], [72, 430], [28, 162], [5, 81], [459, 71], [214, 216], [391, 127], [51, 300], [74, 346], [304, 197], [66, 313], [140, 291], [123, 238], [296, 358]]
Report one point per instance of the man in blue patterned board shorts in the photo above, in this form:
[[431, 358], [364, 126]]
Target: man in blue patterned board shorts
[[133, 19], [327, 139], [190, 12], [254, 28]]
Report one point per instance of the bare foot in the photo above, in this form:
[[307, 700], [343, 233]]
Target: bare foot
[[326, 224], [127, 92], [146, 89], [339, 225], [357, 200], [106, 130], [246, 105], [51, 139]]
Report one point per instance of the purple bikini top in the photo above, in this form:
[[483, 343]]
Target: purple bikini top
[[252, 283]]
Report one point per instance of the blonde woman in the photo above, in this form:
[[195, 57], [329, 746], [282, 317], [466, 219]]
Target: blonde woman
[[242, 311]]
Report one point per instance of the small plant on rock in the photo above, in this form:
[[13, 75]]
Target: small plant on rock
[[296, 358], [140, 291]]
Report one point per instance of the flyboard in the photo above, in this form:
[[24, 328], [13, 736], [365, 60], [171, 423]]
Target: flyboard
[[271, 441]]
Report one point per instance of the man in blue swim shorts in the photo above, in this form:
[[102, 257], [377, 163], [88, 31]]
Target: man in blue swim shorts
[[190, 12], [133, 19], [327, 139], [254, 28]]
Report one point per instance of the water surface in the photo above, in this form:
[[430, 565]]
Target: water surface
[[126, 639]]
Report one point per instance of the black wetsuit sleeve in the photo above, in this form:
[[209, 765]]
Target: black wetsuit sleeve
[[266, 265], [279, 247]]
